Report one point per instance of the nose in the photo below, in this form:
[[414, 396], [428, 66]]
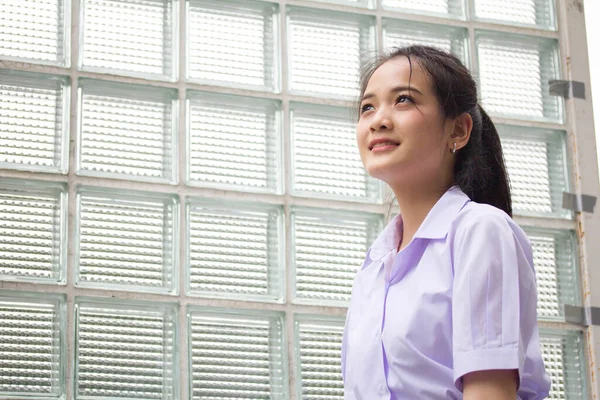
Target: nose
[[381, 121]]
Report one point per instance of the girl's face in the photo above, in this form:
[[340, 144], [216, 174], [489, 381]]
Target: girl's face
[[402, 134]]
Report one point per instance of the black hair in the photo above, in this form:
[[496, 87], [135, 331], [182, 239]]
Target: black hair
[[479, 170]]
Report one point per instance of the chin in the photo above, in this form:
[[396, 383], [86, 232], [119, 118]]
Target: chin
[[384, 172]]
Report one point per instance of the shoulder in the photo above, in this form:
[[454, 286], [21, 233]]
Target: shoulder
[[481, 228], [486, 221]]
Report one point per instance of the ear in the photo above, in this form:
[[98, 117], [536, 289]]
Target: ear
[[463, 125]]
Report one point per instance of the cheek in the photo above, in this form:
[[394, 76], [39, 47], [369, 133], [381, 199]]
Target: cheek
[[426, 132], [415, 122], [362, 142], [361, 137]]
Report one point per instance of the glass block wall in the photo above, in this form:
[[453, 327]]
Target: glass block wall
[[173, 221]]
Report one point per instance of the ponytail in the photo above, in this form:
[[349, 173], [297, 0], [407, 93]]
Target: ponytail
[[479, 170]]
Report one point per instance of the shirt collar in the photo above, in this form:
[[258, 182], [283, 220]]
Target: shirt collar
[[435, 226]]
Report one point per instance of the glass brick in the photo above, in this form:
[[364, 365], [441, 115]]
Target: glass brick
[[127, 240], [445, 8], [328, 248], [537, 13], [235, 250], [554, 259], [251, 161], [237, 354], [318, 350], [34, 121], [537, 167], [326, 51], [234, 43], [33, 231], [514, 71], [355, 3], [125, 349], [132, 37], [397, 33], [318, 171], [33, 346], [35, 31], [562, 352], [127, 131]]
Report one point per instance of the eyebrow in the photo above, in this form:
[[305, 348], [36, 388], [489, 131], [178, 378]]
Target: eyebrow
[[396, 89]]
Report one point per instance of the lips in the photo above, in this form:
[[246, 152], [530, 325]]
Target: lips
[[380, 143]]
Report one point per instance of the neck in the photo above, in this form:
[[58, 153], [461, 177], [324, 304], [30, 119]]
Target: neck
[[415, 203]]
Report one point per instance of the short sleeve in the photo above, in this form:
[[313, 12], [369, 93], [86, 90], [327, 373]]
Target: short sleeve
[[492, 295]]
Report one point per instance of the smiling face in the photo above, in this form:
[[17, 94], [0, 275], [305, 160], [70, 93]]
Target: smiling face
[[402, 135]]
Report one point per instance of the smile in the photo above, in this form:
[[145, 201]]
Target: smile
[[383, 146]]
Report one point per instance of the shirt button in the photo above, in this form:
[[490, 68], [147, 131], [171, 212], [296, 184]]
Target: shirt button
[[383, 388]]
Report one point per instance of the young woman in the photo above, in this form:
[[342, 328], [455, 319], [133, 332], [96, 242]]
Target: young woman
[[444, 306]]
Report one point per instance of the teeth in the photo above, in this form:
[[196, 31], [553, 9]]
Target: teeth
[[384, 144]]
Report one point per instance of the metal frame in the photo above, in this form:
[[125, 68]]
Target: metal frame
[[579, 126]]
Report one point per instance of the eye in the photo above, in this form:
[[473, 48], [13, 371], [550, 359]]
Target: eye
[[403, 98], [366, 107]]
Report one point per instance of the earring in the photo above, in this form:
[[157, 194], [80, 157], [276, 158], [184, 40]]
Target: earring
[[454, 149]]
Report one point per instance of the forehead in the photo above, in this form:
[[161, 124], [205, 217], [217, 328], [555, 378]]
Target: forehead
[[397, 72]]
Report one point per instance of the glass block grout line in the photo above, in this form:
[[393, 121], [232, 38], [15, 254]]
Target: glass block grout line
[[285, 97], [197, 191], [184, 301], [287, 181], [284, 199], [473, 64], [72, 181], [379, 25], [289, 308], [181, 86]]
